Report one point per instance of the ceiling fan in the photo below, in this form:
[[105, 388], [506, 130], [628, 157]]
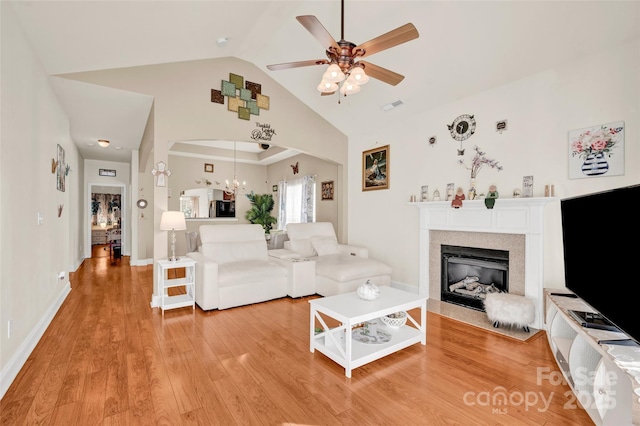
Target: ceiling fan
[[343, 57]]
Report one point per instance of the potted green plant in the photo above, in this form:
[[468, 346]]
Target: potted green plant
[[260, 211]]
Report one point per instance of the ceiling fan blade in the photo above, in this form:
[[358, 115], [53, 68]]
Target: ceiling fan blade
[[393, 38], [381, 74], [276, 67], [316, 29]]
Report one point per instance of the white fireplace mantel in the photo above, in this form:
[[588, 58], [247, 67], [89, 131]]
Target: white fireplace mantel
[[509, 216]]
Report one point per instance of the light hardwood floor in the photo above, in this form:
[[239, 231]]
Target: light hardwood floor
[[109, 358]]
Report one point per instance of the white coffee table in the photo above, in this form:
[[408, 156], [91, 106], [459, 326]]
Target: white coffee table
[[348, 309]]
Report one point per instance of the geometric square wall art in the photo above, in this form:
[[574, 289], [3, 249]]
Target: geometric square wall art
[[596, 151], [244, 97]]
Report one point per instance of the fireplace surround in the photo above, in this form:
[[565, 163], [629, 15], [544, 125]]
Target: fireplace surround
[[514, 224]]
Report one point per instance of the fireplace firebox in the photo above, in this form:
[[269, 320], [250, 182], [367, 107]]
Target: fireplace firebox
[[470, 273]]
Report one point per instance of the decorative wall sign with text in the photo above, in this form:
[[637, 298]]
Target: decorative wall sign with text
[[264, 132], [244, 98]]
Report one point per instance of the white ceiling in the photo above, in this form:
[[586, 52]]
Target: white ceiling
[[464, 48]]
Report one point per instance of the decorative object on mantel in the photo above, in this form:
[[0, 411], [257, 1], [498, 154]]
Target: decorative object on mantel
[[516, 193], [477, 163], [368, 291], [592, 151], [424, 193], [549, 191], [67, 169], [450, 191], [492, 195], [54, 165], [436, 195], [243, 98], [456, 203], [161, 172], [375, 168], [60, 208], [527, 186], [501, 126]]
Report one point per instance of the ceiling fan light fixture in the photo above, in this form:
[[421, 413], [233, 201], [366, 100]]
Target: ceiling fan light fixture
[[327, 87], [359, 76], [103, 143], [333, 74], [349, 88]]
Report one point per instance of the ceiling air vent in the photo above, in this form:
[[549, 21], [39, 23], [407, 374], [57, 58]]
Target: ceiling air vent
[[392, 105]]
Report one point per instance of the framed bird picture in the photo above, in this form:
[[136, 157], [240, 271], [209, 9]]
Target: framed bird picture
[[375, 168]]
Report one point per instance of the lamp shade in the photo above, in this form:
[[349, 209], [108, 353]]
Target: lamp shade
[[349, 88], [327, 87], [359, 76], [173, 221], [333, 74]]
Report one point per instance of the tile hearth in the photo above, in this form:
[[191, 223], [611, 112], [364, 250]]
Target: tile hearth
[[477, 319]]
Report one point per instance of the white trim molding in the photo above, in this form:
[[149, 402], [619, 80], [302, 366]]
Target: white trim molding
[[509, 216]]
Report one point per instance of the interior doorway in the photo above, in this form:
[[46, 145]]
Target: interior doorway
[[106, 210]]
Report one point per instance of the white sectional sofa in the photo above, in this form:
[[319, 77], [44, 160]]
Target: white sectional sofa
[[234, 269], [340, 268]]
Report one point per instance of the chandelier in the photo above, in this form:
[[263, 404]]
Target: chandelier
[[348, 80], [231, 188]]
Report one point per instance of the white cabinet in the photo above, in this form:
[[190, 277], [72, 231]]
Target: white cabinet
[[165, 282], [301, 275], [600, 375]]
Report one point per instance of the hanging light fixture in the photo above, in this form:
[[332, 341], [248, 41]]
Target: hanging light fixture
[[231, 188], [103, 143], [348, 82]]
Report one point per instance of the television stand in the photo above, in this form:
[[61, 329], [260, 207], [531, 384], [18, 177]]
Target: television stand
[[592, 320], [596, 363]]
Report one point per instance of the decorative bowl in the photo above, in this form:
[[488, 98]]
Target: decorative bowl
[[368, 291], [396, 320]]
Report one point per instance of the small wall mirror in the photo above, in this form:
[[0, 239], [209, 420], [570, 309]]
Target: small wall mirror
[[141, 203]]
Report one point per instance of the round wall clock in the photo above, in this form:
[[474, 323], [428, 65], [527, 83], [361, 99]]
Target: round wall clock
[[462, 127]]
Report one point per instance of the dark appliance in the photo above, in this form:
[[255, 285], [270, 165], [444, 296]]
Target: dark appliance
[[600, 232], [225, 208]]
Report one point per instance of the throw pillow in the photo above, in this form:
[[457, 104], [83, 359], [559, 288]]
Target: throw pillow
[[325, 245], [302, 246]]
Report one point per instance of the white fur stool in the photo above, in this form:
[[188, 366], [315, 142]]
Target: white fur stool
[[509, 309]]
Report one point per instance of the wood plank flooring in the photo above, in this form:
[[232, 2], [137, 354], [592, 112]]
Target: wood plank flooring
[[109, 358]]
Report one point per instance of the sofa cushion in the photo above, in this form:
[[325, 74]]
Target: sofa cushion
[[345, 268], [302, 246], [325, 245], [233, 251], [246, 271]]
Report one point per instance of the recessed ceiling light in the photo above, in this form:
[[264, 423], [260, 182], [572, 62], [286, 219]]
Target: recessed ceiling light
[[103, 143]]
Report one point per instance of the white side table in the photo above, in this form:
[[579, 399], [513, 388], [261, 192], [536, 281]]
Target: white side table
[[164, 283]]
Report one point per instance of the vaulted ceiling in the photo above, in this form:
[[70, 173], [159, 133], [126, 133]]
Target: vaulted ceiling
[[464, 48]]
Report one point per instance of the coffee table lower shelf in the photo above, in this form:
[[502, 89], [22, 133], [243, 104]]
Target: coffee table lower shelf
[[364, 353]]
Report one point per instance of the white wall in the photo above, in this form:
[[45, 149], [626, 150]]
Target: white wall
[[540, 110], [32, 255]]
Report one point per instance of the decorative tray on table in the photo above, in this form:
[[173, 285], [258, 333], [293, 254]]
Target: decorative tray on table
[[364, 335]]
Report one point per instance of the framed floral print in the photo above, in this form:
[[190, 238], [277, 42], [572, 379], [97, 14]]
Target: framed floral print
[[375, 168], [597, 151]]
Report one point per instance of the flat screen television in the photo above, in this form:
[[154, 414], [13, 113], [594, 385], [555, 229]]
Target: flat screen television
[[601, 236]]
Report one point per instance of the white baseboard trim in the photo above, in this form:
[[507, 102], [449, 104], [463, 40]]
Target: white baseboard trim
[[17, 361], [142, 262]]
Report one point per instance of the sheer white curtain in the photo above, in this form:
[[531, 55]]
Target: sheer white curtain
[[296, 201]]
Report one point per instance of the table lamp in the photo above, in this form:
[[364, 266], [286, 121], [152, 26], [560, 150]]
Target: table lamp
[[173, 221]]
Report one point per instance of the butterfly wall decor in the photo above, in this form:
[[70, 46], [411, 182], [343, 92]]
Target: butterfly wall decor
[[295, 168]]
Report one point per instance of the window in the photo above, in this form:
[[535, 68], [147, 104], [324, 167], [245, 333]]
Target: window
[[296, 201]]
